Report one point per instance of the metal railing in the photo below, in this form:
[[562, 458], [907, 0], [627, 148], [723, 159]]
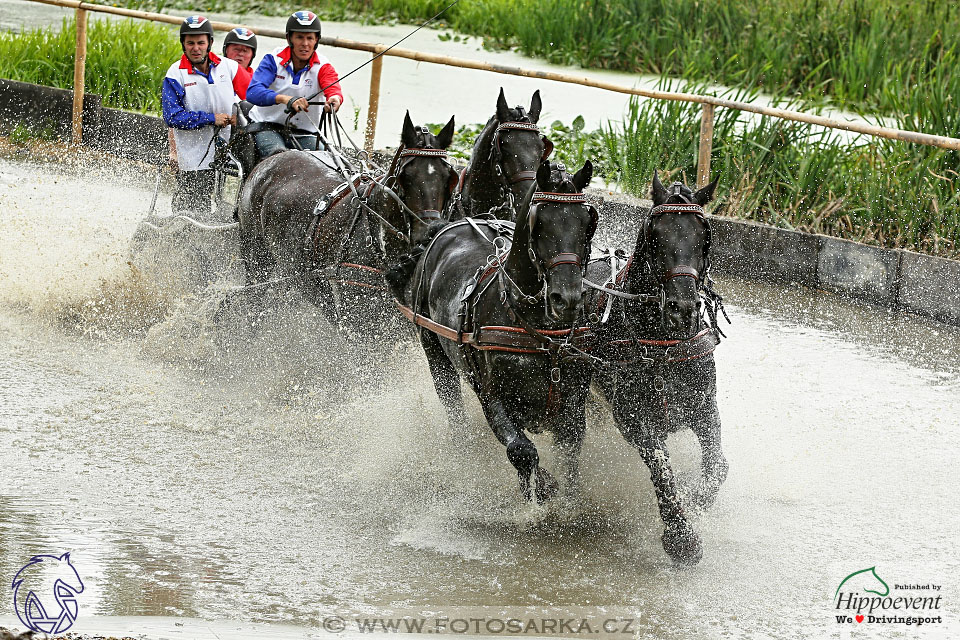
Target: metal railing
[[709, 103]]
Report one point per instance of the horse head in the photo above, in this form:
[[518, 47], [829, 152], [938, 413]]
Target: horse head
[[423, 179], [675, 246], [515, 147], [557, 225]]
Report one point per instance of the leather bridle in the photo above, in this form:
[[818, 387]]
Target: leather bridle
[[496, 155], [542, 197], [680, 270], [701, 280], [393, 187]]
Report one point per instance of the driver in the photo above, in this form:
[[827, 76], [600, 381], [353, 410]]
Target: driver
[[288, 77], [198, 95], [240, 45]]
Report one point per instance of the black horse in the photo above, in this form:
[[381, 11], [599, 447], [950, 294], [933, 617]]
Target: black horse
[[303, 223], [500, 313], [504, 162], [661, 349]]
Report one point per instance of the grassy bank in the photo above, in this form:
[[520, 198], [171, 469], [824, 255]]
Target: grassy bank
[[854, 51], [126, 60]]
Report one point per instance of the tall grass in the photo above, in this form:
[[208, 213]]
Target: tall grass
[[854, 52], [126, 60]]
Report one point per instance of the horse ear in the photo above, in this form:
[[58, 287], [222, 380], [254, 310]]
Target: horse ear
[[503, 111], [705, 195], [660, 194], [445, 137], [582, 178], [535, 107], [543, 176], [409, 135]]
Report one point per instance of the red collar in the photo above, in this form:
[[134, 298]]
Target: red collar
[[186, 64], [286, 54]]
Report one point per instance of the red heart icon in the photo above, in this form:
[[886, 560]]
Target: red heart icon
[[859, 618]]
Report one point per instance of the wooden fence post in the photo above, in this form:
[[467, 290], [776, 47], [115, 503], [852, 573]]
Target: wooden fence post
[[706, 146], [374, 103], [79, 65]]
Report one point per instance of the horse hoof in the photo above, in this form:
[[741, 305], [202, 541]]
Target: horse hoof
[[547, 486], [682, 545], [705, 494], [523, 456], [707, 489]]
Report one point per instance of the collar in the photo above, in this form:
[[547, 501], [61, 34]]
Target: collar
[[286, 55], [186, 64]]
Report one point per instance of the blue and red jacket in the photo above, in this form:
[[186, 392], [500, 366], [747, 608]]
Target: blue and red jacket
[[190, 100], [276, 75]]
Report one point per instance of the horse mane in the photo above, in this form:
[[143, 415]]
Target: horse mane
[[484, 140]]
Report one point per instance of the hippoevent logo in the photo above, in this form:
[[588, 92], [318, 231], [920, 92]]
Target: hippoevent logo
[[45, 593], [863, 597]]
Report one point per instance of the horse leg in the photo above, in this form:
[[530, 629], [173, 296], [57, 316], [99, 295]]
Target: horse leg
[[569, 437], [446, 381], [705, 422], [521, 452], [679, 539], [569, 440]]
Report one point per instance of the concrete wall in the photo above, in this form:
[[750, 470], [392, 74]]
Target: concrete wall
[[38, 108], [128, 135], [930, 285], [924, 284], [132, 135]]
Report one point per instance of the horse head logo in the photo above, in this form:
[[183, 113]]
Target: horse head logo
[[47, 610], [870, 579]]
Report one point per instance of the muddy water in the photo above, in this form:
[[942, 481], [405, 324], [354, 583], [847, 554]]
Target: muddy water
[[278, 475]]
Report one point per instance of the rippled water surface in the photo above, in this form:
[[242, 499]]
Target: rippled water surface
[[196, 469]]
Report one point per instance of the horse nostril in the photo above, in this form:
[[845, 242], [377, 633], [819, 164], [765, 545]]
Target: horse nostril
[[557, 301]]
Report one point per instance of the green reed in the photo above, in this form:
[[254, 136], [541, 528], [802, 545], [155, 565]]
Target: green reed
[[126, 60]]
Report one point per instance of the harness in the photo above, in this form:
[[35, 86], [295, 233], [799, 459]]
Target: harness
[[523, 337], [361, 188]]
